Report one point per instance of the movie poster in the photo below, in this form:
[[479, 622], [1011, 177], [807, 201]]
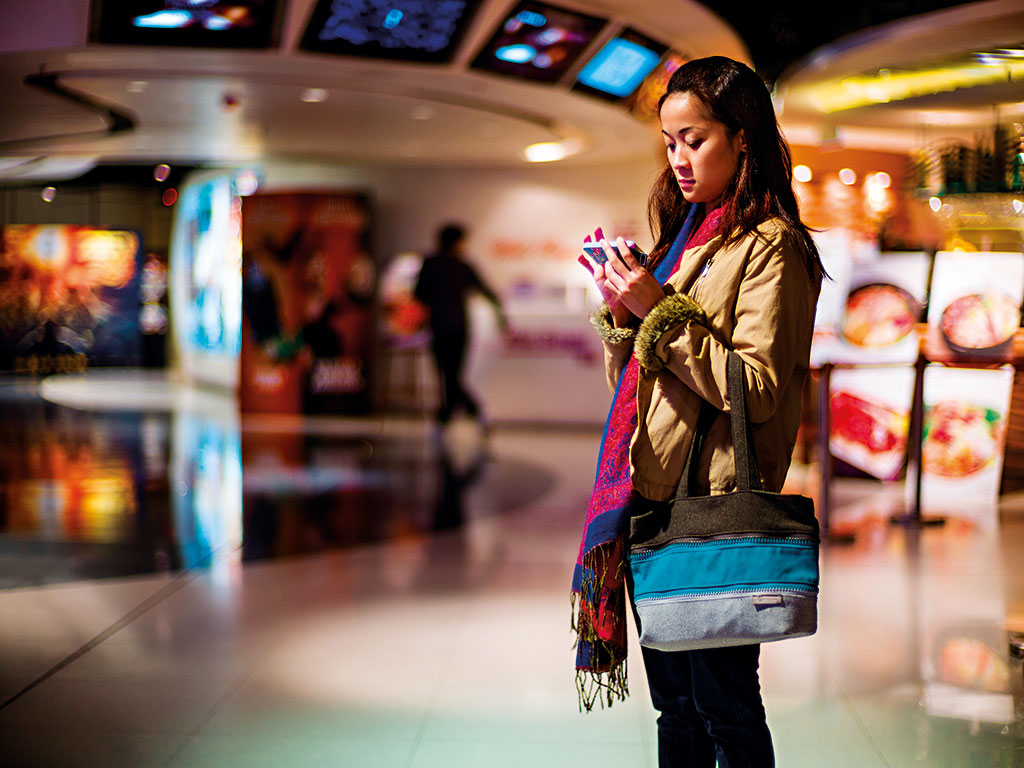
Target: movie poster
[[308, 284], [69, 298]]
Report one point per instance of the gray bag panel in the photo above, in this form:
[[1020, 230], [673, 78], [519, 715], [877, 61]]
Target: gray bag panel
[[684, 623]]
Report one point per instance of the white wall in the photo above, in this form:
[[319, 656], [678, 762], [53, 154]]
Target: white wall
[[525, 226]]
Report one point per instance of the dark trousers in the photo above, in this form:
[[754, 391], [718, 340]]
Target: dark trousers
[[710, 705], [449, 347]]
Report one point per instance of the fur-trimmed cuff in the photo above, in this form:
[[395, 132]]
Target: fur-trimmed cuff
[[671, 312], [602, 321]]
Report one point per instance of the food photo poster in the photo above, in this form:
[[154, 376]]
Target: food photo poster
[[964, 434], [974, 310], [869, 417], [883, 302]]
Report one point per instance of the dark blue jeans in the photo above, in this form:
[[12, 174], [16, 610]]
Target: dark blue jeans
[[710, 705]]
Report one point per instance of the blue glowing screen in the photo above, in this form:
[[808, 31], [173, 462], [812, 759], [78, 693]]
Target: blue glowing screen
[[619, 67], [538, 42], [426, 30]]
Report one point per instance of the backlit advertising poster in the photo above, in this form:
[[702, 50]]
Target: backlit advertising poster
[[308, 289], [206, 281], [974, 310], [868, 312], [870, 413], [965, 417], [69, 298]]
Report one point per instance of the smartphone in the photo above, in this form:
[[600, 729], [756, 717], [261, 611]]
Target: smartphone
[[596, 252]]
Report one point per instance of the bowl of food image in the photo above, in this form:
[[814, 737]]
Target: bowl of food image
[[960, 439], [879, 315], [980, 323]]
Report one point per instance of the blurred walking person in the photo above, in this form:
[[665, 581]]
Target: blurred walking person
[[445, 284]]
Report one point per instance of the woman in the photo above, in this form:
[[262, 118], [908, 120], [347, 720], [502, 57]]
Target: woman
[[732, 268]]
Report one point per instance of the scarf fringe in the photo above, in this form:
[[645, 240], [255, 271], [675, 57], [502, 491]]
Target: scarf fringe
[[602, 687], [604, 682]]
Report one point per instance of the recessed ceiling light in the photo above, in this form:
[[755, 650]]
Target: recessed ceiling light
[[848, 176], [546, 152], [48, 194], [802, 173], [314, 95]]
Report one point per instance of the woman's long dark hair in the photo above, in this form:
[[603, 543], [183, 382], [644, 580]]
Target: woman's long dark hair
[[763, 186]]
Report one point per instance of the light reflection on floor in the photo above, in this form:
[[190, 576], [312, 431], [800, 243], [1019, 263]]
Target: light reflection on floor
[[441, 639], [106, 492]]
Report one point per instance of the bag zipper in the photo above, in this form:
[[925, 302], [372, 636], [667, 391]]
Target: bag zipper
[[733, 593], [641, 553]]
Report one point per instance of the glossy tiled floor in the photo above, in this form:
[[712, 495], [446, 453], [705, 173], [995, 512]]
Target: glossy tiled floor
[[362, 598]]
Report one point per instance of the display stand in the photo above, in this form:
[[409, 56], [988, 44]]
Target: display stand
[[824, 508], [911, 516]]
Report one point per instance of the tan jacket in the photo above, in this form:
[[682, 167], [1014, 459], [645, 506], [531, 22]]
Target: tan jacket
[[757, 298]]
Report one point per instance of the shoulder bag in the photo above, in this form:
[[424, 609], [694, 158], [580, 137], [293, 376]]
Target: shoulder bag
[[729, 569]]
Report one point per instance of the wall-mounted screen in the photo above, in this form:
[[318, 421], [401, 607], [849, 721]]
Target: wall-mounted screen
[[620, 66], [198, 23], [538, 42], [415, 30]]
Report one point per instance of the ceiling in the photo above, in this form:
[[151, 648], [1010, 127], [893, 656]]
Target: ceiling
[[203, 106]]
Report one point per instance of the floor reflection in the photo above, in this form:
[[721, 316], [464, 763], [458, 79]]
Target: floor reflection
[[94, 494]]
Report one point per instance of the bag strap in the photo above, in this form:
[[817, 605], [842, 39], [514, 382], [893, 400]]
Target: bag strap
[[747, 475]]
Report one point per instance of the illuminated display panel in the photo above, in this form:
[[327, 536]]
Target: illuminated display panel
[[414, 30], [69, 298], [538, 42], [194, 23], [206, 279], [620, 66]]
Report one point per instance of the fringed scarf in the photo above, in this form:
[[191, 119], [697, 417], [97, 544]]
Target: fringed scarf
[[599, 579]]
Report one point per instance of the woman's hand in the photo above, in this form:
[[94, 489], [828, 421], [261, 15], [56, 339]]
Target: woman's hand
[[620, 314], [634, 287]]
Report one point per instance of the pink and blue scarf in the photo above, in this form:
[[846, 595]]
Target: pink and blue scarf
[[598, 582]]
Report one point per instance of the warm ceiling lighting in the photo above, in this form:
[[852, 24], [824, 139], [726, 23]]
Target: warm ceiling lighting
[[314, 95], [423, 112], [246, 183], [161, 172], [802, 173], [546, 152], [48, 194], [934, 203], [863, 90], [848, 176], [881, 179]]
